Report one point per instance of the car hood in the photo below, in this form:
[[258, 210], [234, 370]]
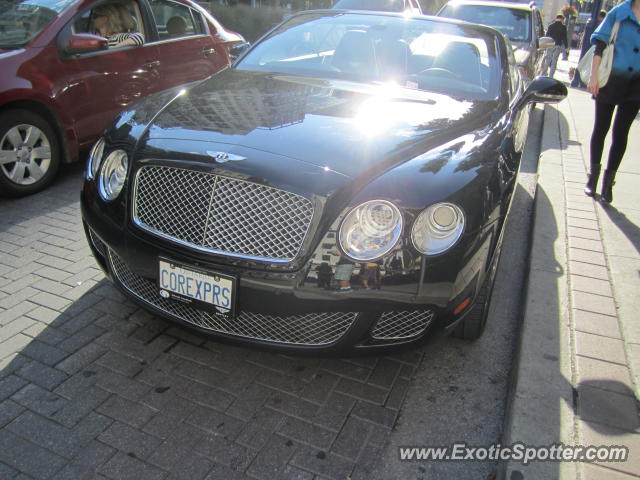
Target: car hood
[[349, 128]]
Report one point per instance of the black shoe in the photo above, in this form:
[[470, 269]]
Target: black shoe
[[608, 181], [592, 183]]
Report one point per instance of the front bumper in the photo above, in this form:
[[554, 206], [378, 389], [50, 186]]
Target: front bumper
[[338, 329]]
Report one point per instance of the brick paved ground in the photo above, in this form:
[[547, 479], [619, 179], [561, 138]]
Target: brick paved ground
[[92, 386]]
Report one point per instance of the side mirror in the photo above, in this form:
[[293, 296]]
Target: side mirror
[[546, 42], [543, 90], [85, 43], [238, 49]]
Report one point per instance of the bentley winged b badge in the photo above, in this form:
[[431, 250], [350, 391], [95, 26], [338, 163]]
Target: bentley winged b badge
[[223, 157]]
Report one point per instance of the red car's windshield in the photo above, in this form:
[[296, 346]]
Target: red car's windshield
[[23, 20]]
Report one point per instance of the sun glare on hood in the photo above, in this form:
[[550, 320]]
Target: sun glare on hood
[[387, 108]]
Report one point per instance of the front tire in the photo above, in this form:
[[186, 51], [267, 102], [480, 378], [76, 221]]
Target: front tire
[[29, 153], [473, 324]]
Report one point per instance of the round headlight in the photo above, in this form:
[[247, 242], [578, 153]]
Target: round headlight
[[437, 228], [95, 158], [370, 230], [113, 174]]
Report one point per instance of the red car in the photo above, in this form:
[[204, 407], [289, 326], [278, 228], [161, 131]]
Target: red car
[[61, 82]]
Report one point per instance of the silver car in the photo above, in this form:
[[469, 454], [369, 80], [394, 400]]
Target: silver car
[[411, 6], [521, 23]]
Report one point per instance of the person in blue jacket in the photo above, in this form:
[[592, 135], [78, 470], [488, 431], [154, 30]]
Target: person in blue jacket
[[622, 90]]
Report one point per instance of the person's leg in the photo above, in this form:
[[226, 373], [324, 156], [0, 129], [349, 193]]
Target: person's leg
[[556, 51], [625, 115], [343, 276], [601, 125], [546, 61]]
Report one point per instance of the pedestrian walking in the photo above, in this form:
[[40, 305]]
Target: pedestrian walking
[[622, 90], [558, 31]]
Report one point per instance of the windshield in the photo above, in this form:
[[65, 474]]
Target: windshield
[[23, 20], [512, 22], [380, 5], [417, 54]]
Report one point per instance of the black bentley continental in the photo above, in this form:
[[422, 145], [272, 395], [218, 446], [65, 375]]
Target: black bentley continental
[[342, 187]]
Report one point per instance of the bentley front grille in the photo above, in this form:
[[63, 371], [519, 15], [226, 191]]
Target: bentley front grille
[[97, 243], [402, 325], [221, 214], [308, 329]]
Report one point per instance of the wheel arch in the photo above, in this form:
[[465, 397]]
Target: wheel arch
[[67, 153]]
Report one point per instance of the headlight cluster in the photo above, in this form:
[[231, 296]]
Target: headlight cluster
[[437, 228], [113, 174], [373, 228], [95, 158]]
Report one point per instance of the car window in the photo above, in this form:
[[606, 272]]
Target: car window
[[415, 54], [514, 72], [175, 20], [128, 12], [512, 22], [539, 24], [21, 21]]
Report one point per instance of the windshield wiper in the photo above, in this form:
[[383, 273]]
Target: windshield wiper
[[15, 46]]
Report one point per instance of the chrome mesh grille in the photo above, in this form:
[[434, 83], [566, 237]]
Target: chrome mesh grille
[[97, 243], [221, 214], [309, 329], [399, 325], [174, 202]]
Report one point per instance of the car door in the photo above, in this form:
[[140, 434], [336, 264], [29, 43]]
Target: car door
[[187, 49], [516, 89], [539, 29], [100, 84]]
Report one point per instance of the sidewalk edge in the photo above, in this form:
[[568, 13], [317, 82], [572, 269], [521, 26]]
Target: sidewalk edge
[[540, 404]]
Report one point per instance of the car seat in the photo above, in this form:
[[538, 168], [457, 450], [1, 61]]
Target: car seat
[[462, 59], [393, 58], [176, 26], [355, 54]]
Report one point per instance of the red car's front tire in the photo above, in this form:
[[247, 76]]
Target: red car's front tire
[[29, 153]]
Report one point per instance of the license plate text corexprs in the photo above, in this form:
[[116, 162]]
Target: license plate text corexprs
[[190, 286]]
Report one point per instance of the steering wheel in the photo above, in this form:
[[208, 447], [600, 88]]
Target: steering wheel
[[439, 72]]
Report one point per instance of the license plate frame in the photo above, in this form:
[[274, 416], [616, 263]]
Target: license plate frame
[[195, 292]]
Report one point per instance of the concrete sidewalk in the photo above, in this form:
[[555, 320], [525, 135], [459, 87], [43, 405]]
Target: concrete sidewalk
[[578, 373]]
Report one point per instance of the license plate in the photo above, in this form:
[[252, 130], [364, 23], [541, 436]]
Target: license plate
[[203, 289]]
